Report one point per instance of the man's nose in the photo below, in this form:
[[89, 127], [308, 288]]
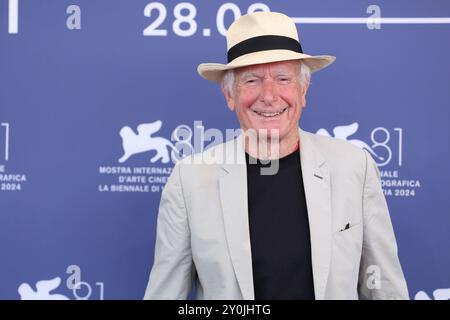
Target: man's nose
[[269, 94]]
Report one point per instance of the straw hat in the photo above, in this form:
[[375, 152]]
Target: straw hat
[[262, 37]]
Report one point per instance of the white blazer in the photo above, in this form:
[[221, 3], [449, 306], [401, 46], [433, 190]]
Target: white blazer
[[203, 228]]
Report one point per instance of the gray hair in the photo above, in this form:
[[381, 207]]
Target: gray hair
[[228, 79]]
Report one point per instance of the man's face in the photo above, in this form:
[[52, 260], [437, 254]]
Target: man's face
[[269, 96]]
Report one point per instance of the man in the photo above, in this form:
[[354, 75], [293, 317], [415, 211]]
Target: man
[[317, 227]]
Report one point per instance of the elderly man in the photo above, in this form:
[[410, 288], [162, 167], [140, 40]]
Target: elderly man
[[317, 227]]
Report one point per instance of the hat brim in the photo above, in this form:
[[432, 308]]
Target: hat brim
[[215, 71]]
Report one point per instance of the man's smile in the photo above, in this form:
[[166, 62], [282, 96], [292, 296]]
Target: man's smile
[[266, 114]]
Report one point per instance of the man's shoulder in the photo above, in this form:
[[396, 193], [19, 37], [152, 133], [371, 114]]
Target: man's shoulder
[[336, 150], [326, 143], [214, 155], [204, 167]]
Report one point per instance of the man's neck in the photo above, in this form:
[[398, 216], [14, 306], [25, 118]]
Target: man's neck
[[270, 147]]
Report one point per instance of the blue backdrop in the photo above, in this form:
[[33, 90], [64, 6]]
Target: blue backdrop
[[78, 77]]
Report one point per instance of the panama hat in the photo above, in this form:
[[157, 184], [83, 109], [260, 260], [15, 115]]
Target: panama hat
[[262, 37]]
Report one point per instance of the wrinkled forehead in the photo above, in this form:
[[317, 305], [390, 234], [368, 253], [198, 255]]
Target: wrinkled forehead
[[281, 67]]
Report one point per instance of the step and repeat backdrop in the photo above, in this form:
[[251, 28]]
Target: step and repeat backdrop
[[97, 97]]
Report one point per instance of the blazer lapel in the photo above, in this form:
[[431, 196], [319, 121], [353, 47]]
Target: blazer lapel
[[316, 180], [233, 197]]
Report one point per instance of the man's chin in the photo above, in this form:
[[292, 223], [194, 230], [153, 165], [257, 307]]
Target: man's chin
[[267, 133]]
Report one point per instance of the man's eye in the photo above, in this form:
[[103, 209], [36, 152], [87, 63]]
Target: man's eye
[[250, 81]]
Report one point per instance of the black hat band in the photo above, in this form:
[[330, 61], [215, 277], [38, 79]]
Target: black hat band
[[262, 43]]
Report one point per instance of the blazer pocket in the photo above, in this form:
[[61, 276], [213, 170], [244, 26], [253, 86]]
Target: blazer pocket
[[350, 239], [347, 230]]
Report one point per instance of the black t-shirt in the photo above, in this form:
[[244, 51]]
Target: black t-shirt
[[279, 231]]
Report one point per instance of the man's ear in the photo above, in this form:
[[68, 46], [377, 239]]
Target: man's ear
[[230, 100], [303, 92]]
